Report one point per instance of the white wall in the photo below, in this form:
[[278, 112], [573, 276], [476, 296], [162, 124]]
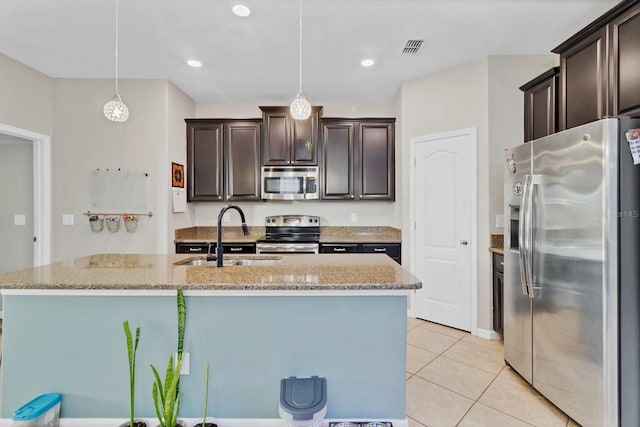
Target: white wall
[[506, 112], [330, 212], [16, 194], [482, 94], [84, 141], [180, 106], [26, 98]]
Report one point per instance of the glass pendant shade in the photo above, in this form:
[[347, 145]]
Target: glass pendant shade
[[300, 107], [115, 110]]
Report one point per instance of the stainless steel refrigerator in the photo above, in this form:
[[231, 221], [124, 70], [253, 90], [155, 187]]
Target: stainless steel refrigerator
[[571, 273]]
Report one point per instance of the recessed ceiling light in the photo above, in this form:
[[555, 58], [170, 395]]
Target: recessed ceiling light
[[194, 63], [241, 10], [367, 62]]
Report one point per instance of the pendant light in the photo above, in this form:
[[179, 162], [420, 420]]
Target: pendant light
[[300, 107], [115, 110]]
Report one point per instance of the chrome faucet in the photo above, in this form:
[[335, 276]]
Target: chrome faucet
[[245, 231]]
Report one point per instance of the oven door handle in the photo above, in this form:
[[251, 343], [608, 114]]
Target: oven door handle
[[288, 248]]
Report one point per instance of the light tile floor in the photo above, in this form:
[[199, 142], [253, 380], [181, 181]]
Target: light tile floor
[[457, 379]]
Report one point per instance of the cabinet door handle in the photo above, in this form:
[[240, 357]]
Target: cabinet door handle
[[235, 249], [380, 249], [339, 249], [195, 249], [501, 262]]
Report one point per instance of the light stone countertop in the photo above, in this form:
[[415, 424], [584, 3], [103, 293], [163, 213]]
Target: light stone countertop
[[328, 234], [299, 272]]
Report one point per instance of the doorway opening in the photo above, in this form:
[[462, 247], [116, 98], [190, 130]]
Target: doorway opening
[[41, 189]]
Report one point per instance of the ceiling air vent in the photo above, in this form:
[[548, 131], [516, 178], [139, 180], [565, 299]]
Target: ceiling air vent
[[412, 47]]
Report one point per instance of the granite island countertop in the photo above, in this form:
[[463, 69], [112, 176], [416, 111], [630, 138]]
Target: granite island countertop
[[328, 234], [299, 272]]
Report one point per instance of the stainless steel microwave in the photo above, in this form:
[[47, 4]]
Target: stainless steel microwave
[[290, 183]]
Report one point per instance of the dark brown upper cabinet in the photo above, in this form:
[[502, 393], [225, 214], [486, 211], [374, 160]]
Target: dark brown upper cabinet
[[376, 150], [599, 68], [204, 160], [242, 160], [287, 141], [358, 159], [338, 147], [541, 105], [624, 84], [583, 81], [223, 159]]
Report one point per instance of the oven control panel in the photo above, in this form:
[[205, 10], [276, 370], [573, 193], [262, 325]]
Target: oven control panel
[[292, 221]]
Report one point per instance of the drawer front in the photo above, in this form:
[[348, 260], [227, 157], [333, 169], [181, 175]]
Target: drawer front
[[239, 248], [192, 248], [391, 249], [203, 248], [339, 248]]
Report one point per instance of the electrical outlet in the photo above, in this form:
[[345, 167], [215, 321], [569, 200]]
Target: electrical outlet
[[226, 217], [354, 217], [499, 221], [184, 368]]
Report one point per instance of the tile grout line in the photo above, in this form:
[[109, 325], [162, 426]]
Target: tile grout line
[[496, 409]]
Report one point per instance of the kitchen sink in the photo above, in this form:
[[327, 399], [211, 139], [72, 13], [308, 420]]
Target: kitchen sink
[[211, 262]]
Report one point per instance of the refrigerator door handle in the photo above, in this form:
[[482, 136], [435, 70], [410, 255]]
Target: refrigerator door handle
[[524, 236]]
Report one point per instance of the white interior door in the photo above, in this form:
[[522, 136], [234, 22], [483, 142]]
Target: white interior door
[[443, 212]]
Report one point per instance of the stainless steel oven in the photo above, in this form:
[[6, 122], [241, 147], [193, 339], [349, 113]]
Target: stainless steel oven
[[291, 234]]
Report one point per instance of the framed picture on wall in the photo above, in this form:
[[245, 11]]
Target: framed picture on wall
[[177, 175]]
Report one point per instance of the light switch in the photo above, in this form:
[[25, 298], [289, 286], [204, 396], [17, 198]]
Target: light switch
[[499, 221], [19, 219], [67, 219], [184, 368], [354, 217]]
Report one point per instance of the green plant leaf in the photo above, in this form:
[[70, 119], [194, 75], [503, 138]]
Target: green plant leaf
[[182, 318], [158, 384], [171, 394], [131, 353], [154, 393], [206, 393], [168, 377]]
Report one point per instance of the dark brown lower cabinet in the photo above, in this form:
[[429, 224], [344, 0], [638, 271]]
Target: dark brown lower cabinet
[[498, 292], [393, 250]]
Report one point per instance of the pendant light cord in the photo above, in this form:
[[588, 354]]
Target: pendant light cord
[[300, 49], [117, 49]]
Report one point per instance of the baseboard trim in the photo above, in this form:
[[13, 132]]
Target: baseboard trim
[[488, 334], [222, 422]]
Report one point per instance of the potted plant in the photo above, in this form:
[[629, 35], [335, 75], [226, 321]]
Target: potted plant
[[167, 398], [132, 348], [213, 421]]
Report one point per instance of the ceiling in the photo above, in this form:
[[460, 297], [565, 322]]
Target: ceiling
[[256, 58]]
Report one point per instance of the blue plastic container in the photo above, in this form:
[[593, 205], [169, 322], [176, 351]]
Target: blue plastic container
[[43, 411]]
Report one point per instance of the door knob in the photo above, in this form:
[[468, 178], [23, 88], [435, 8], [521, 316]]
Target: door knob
[[464, 242]]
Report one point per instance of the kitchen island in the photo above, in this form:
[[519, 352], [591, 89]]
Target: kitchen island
[[336, 316]]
